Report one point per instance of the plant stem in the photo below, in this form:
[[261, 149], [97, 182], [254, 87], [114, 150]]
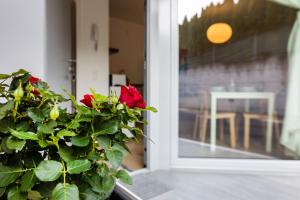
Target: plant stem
[[42, 102], [64, 173], [18, 171], [15, 110]]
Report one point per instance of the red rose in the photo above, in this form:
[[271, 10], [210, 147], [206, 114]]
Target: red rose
[[131, 97], [33, 80], [87, 100]]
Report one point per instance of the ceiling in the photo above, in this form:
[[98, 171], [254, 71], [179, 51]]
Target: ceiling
[[129, 10]]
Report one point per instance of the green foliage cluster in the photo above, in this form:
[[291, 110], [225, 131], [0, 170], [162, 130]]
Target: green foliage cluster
[[60, 156]]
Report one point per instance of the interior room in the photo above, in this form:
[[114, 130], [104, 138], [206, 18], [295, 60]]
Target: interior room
[[126, 59]]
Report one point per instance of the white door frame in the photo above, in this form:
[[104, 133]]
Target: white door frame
[[154, 24]]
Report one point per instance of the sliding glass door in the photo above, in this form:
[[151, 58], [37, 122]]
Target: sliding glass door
[[239, 79]]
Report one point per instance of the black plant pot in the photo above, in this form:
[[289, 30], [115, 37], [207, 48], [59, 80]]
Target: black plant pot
[[116, 196]]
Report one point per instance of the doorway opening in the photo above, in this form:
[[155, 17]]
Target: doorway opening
[[127, 58]]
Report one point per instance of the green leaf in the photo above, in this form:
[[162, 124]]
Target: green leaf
[[108, 127], [124, 177], [104, 142], [5, 125], [5, 108], [51, 124], [88, 194], [115, 157], [48, 170], [120, 148], [93, 156], [36, 114], [48, 127], [80, 141], [45, 189], [73, 99], [8, 175], [23, 126], [4, 76], [99, 98], [19, 72], [44, 128], [24, 135], [34, 195], [103, 170], [74, 124], [66, 133], [66, 154], [16, 194], [2, 191], [4, 146], [28, 180], [78, 166], [152, 109], [65, 192], [15, 144], [44, 143], [108, 183], [95, 182], [85, 118]]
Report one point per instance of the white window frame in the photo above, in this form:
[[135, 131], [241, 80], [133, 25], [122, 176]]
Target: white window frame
[[206, 164]]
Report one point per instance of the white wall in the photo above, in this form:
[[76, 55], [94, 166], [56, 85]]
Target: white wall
[[92, 66], [58, 44], [22, 36], [128, 37], [35, 36]]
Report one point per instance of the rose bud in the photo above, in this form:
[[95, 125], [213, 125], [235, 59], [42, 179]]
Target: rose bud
[[54, 113], [19, 93]]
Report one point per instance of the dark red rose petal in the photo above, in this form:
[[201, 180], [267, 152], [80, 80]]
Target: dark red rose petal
[[87, 100], [131, 97], [33, 80]]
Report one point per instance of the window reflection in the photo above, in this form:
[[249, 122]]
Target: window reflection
[[244, 72]]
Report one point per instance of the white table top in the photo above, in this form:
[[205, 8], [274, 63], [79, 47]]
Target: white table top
[[243, 95]]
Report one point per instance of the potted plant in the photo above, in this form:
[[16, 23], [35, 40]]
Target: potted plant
[[47, 152]]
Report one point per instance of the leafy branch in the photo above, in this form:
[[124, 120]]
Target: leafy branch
[[49, 153]]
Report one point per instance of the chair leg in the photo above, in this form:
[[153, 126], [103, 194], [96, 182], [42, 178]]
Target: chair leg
[[232, 132], [264, 128], [203, 129], [277, 134], [221, 125], [246, 132], [195, 126], [237, 122]]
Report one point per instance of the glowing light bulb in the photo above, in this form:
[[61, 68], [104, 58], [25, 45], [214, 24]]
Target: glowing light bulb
[[219, 33]]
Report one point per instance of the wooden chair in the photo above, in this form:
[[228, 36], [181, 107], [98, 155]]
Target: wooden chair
[[263, 118], [220, 116], [204, 117]]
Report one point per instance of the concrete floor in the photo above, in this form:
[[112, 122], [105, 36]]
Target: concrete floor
[[184, 185]]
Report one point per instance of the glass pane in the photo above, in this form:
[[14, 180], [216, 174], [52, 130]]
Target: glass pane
[[238, 95]]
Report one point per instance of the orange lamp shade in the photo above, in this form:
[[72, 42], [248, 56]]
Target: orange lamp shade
[[219, 33]]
